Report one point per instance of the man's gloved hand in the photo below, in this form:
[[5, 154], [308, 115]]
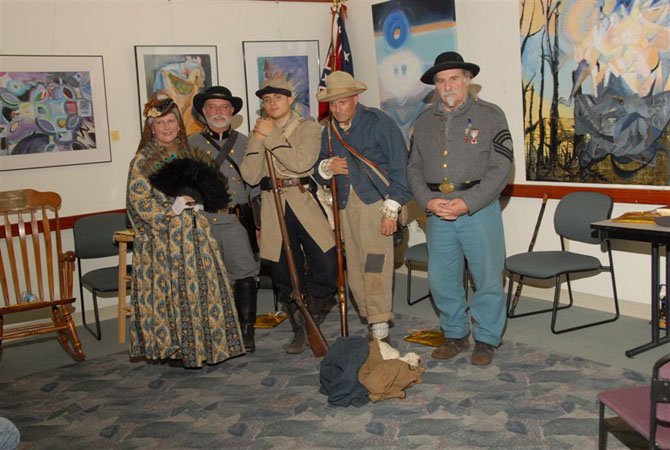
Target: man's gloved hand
[[198, 207], [180, 204]]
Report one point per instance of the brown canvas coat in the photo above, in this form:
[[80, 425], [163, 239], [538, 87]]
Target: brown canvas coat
[[296, 149]]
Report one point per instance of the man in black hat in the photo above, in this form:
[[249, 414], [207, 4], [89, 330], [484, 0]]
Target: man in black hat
[[234, 228], [460, 161], [294, 143]]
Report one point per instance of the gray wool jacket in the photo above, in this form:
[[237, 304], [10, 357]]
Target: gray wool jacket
[[470, 144]]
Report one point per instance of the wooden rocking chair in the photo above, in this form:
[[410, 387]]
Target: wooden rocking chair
[[30, 265]]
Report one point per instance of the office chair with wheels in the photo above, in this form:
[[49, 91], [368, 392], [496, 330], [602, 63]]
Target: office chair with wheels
[[572, 221], [93, 239]]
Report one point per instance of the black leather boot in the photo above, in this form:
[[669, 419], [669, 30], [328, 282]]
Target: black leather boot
[[245, 291], [319, 307], [299, 342]]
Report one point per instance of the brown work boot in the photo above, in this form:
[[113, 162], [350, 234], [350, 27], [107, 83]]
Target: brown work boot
[[451, 348], [482, 354]]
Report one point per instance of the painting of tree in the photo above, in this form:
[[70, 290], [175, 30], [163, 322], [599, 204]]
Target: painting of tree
[[596, 90]]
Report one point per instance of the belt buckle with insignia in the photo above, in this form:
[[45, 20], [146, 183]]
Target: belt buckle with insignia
[[446, 187]]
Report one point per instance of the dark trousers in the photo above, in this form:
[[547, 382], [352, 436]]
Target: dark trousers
[[317, 270]]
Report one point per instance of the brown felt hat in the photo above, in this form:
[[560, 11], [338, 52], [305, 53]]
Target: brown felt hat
[[340, 85]]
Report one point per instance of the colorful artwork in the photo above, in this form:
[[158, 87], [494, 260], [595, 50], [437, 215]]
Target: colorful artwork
[[596, 90], [48, 116], [409, 34], [179, 72], [295, 70], [295, 61]]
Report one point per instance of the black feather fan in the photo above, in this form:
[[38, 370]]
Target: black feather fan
[[194, 177]]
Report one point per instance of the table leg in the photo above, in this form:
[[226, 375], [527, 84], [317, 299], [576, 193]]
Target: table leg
[[656, 340], [122, 292]]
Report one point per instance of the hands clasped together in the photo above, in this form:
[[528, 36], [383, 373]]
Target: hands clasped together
[[447, 209]]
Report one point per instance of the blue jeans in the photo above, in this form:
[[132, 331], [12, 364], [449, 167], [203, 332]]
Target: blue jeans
[[480, 240], [9, 435]]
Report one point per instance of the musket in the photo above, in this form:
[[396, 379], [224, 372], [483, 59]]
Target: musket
[[339, 248], [519, 285], [316, 340]]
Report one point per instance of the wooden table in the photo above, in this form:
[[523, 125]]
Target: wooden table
[[123, 238], [657, 236]]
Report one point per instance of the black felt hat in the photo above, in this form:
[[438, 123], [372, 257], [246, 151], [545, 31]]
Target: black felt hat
[[446, 61], [220, 92]]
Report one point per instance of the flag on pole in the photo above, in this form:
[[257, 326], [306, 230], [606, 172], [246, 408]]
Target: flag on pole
[[339, 52]]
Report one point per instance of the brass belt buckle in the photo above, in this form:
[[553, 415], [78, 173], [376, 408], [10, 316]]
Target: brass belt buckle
[[446, 187]]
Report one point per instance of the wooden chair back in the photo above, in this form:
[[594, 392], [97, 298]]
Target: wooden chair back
[[35, 273]]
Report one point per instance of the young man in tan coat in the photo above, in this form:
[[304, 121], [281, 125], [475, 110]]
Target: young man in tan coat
[[294, 143]]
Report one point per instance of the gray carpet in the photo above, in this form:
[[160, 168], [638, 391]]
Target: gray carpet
[[527, 399]]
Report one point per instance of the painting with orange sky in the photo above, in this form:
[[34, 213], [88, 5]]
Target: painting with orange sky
[[596, 90]]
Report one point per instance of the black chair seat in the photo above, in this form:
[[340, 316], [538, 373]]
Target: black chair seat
[[104, 279], [548, 264]]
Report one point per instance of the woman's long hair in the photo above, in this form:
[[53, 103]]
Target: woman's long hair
[[159, 106]]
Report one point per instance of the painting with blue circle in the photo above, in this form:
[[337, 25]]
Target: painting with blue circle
[[409, 34]]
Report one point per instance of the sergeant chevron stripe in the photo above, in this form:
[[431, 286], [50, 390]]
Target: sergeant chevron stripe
[[500, 147]]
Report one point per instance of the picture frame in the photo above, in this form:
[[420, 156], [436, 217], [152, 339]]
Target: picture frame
[[54, 111], [298, 61], [178, 71]]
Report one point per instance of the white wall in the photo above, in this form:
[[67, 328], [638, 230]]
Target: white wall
[[487, 35]]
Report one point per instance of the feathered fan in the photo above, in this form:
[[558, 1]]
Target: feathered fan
[[194, 177]]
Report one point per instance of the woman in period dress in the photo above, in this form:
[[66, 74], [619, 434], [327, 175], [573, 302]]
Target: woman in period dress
[[182, 307]]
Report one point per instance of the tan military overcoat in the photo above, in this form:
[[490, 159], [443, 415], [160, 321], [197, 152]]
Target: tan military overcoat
[[296, 148]]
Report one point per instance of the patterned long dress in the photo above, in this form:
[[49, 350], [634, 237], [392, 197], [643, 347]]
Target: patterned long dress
[[182, 306]]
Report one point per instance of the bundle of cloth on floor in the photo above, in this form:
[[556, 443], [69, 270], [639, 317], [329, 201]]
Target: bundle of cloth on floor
[[355, 371]]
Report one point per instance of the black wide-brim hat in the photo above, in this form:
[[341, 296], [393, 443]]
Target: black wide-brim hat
[[446, 61], [216, 92]]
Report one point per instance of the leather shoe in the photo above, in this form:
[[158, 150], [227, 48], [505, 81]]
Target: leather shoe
[[482, 354], [451, 348]]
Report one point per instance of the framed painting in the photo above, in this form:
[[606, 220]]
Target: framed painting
[[595, 95], [409, 34], [54, 111], [296, 61], [178, 71]]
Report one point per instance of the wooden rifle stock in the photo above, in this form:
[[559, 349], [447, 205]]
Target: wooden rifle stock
[[316, 340], [519, 286], [339, 248]]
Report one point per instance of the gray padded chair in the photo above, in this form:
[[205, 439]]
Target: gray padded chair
[[574, 214], [93, 238]]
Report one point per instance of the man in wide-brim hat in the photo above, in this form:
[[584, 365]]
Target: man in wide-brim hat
[[234, 228], [460, 161], [368, 159]]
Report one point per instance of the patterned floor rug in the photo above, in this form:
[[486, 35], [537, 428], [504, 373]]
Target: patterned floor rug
[[525, 399]]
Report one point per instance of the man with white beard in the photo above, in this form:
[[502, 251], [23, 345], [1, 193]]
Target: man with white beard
[[234, 228], [460, 159]]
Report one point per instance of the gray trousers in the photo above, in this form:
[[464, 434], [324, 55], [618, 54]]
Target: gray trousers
[[234, 245]]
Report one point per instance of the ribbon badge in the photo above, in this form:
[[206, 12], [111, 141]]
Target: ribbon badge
[[473, 135]]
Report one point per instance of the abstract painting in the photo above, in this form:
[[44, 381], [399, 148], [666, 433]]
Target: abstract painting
[[295, 61], [409, 34], [596, 90], [179, 72], [53, 111]]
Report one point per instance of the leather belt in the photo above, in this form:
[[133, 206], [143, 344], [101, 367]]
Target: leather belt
[[447, 187], [266, 182], [236, 209]]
